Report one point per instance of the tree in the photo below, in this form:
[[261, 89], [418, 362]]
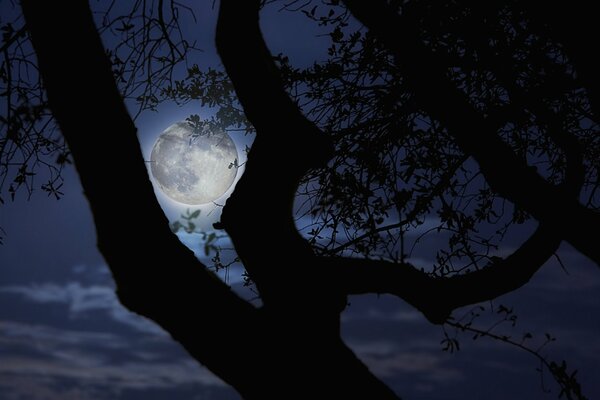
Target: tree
[[146, 47], [457, 111]]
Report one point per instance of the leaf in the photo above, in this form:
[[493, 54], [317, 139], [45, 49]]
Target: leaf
[[337, 35], [191, 227], [175, 226], [195, 214], [63, 158]]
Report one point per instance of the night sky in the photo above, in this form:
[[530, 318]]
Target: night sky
[[63, 334]]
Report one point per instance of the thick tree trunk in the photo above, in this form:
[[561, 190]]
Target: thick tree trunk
[[285, 350]]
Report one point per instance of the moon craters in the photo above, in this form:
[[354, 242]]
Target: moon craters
[[193, 170]]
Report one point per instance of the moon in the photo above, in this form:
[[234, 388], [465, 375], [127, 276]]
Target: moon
[[193, 169]]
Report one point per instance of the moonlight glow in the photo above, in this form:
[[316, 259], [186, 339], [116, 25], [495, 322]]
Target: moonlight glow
[[193, 169]]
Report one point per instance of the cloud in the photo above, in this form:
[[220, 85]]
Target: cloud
[[15, 333], [95, 371], [42, 362], [386, 359], [579, 274], [16, 387], [84, 299], [375, 314]]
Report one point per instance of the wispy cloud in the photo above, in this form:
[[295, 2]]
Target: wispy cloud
[[105, 361], [45, 338], [375, 314], [387, 359], [93, 370], [83, 299]]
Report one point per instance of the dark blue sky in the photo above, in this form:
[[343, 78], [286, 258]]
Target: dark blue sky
[[63, 334]]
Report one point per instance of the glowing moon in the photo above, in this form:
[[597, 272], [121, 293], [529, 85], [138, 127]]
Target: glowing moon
[[193, 169]]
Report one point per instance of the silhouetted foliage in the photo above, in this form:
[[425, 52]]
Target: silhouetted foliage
[[147, 47], [396, 169], [395, 166], [439, 129]]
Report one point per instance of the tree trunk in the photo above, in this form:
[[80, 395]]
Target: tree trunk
[[289, 349]]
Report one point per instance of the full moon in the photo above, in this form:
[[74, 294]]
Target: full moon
[[193, 169]]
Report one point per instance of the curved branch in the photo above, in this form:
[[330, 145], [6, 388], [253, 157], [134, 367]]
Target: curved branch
[[92, 116], [504, 171], [437, 297], [532, 99], [302, 303], [287, 145]]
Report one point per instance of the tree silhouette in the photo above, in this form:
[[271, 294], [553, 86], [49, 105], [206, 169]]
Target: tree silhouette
[[478, 117], [147, 45]]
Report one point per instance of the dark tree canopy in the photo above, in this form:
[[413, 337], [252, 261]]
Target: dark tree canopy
[[469, 123]]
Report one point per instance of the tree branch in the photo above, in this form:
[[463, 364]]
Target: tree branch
[[178, 292], [259, 213], [505, 172], [305, 304], [412, 214], [437, 297], [15, 36]]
